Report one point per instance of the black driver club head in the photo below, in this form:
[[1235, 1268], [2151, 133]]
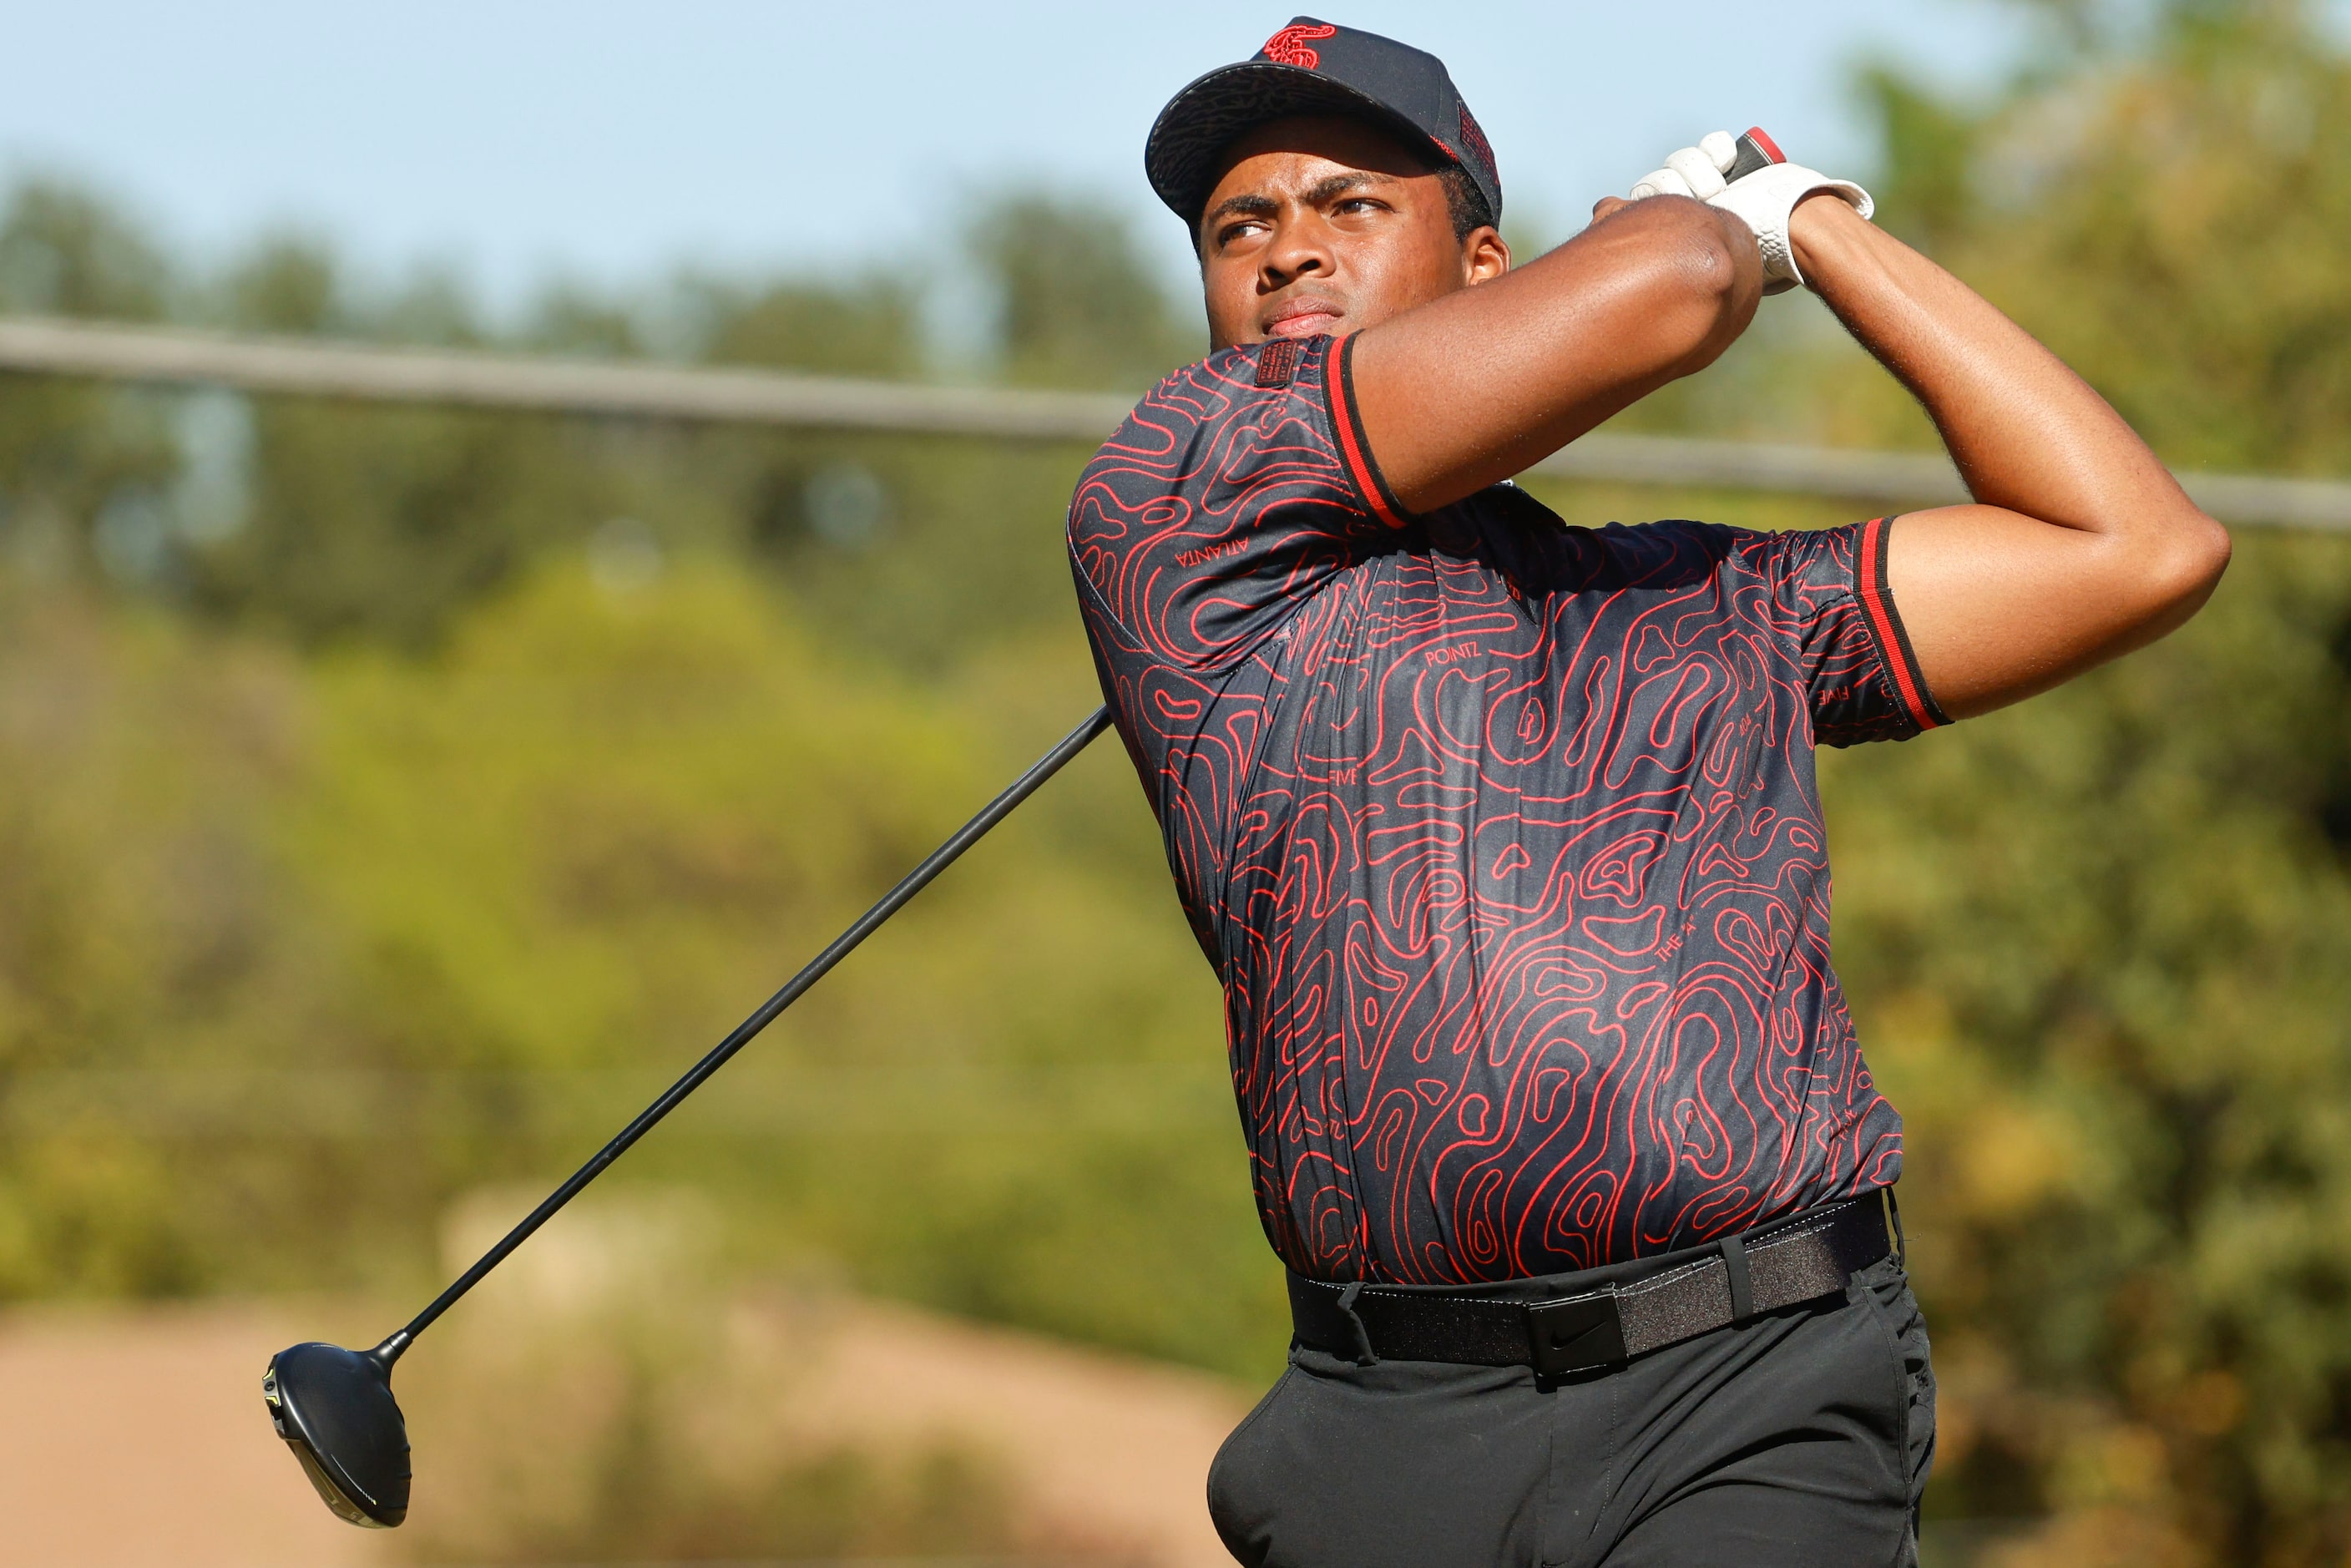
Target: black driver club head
[[334, 1407]]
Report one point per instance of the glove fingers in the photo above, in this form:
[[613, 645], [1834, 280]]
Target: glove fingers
[[1695, 167], [1719, 149], [1666, 182]]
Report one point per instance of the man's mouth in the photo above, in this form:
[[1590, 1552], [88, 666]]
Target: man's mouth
[[1302, 317]]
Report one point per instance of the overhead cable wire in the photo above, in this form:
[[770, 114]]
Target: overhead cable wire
[[309, 367]]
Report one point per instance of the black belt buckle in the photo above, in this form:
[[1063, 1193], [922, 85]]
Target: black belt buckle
[[1576, 1333]]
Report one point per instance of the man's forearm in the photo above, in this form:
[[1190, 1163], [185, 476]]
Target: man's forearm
[[2025, 431], [2083, 545]]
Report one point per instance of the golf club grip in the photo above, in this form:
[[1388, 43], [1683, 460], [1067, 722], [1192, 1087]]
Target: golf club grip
[[1756, 150], [914, 880]]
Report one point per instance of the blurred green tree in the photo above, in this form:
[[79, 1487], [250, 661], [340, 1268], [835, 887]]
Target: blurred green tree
[[868, 329], [66, 252], [1079, 303], [2100, 941], [289, 283], [71, 453]]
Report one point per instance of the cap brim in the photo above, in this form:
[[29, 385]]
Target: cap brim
[[1190, 135]]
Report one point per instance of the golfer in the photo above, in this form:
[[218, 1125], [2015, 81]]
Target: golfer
[[1502, 833]]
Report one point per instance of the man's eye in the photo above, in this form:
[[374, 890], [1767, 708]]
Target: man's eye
[[1239, 231]]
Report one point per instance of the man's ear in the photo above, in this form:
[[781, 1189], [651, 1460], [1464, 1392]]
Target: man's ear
[[1484, 256]]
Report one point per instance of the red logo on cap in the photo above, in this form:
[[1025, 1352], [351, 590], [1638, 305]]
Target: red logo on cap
[[1474, 139], [1288, 47]]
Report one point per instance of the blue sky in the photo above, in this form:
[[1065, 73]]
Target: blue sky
[[611, 142]]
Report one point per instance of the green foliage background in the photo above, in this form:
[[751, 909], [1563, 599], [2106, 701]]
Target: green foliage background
[[391, 800]]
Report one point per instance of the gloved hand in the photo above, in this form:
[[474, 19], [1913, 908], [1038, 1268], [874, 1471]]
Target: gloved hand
[[1763, 200]]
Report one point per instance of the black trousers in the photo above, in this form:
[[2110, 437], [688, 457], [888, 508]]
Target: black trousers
[[1800, 1438]]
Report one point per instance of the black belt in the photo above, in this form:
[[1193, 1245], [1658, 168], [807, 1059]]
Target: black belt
[[1640, 1307]]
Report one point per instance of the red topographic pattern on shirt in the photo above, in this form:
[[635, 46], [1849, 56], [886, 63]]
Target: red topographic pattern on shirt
[[1501, 835], [1288, 47]]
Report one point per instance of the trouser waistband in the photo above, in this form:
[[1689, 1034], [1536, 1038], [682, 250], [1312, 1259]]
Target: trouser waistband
[[1571, 1323]]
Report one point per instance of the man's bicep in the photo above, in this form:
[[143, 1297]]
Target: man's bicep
[[2000, 606]]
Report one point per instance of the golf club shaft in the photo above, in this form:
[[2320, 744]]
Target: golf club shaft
[[970, 833]]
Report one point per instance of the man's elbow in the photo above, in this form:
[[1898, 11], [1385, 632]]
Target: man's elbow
[[2198, 555], [1713, 276], [2178, 571]]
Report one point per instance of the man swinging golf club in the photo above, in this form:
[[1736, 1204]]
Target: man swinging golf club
[[1502, 834]]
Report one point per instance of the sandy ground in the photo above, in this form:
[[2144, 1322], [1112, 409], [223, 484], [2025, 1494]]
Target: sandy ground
[[1108, 1451], [135, 1438]]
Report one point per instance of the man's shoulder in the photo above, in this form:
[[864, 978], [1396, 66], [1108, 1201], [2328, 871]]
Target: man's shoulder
[[1247, 383]]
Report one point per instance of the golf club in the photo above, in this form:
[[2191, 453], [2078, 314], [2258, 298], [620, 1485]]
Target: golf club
[[1756, 150], [334, 1406]]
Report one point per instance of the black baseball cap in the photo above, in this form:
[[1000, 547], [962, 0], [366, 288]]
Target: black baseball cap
[[1314, 68]]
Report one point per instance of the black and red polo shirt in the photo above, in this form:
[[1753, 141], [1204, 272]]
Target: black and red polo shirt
[[1502, 835]]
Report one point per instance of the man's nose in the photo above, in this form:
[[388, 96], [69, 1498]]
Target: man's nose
[[1299, 250]]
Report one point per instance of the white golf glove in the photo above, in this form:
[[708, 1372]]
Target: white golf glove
[[1763, 200]]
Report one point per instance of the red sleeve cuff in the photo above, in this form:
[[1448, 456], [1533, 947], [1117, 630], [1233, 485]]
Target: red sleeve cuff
[[1371, 485], [1886, 627]]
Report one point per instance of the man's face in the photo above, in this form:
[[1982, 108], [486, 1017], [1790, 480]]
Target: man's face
[[1329, 226]]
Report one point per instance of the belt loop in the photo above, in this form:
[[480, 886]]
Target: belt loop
[[1742, 1288], [1364, 1355]]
